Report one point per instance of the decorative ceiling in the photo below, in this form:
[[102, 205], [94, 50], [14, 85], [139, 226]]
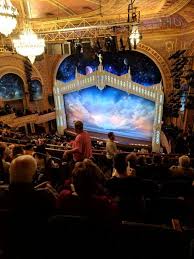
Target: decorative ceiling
[[52, 9], [59, 20]]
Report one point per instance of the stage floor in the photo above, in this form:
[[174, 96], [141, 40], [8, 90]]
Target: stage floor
[[119, 140]]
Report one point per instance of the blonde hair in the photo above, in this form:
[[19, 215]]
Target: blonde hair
[[22, 169], [184, 161]]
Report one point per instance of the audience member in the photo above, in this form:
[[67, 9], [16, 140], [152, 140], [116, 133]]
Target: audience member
[[86, 197], [27, 209], [82, 147], [126, 188], [111, 149], [17, 151], [183, 169], [29, 149], [131, 163], [4, 166]]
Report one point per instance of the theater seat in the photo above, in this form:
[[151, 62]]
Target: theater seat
[[78, 236]]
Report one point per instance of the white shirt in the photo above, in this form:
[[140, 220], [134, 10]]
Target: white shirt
[[111, 149]]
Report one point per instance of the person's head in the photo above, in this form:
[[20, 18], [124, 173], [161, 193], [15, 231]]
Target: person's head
[[22, 169], [111, 136], [17, 150], [28, 149], [86, 178], [120, 163], [132, 159], [78, 126], [184, 161]]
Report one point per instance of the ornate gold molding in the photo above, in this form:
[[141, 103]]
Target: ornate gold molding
[[160, 62]]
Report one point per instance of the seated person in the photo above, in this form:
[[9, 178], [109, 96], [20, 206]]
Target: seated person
[[27, 209], [131, 162], [183, 169], [17, 151], [122, 165], [125, 188], [29, 149], [21, 191], [4, 166], [86, 197]]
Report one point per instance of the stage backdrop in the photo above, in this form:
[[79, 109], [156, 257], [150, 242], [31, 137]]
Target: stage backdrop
[[111, 109], [143, 70]]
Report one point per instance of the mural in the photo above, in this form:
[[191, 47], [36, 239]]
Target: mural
[[11, 87]]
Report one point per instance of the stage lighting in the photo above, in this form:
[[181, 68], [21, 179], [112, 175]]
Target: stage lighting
[[110, 44], [177, 54], [134, 23]]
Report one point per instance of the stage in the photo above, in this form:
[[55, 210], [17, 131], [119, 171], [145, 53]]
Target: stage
[[121, 141]]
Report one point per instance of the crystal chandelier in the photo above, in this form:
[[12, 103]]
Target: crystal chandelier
[[8, 15], [29, 45]]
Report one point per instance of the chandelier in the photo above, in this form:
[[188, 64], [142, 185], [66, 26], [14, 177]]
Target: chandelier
[[134, 24], [29, 45], [8, 15]]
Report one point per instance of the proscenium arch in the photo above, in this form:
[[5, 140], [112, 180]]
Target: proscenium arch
[[100, 78], [58, 65], [161, 64]]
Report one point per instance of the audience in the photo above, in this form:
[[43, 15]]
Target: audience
[[183, 169], [125, 195]]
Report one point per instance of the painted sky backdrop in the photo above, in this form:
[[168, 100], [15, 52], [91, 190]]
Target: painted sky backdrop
[[111, 109]]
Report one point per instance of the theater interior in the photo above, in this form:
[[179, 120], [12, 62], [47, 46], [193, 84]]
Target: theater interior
[[122, 183]]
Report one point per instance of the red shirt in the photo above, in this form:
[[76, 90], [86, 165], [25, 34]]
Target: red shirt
[[83, 143]]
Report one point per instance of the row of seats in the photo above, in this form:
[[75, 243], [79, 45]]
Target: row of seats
[[65, 236]]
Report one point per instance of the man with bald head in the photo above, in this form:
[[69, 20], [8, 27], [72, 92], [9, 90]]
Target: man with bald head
[[28, 208], [22, 170], [21, 193]]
